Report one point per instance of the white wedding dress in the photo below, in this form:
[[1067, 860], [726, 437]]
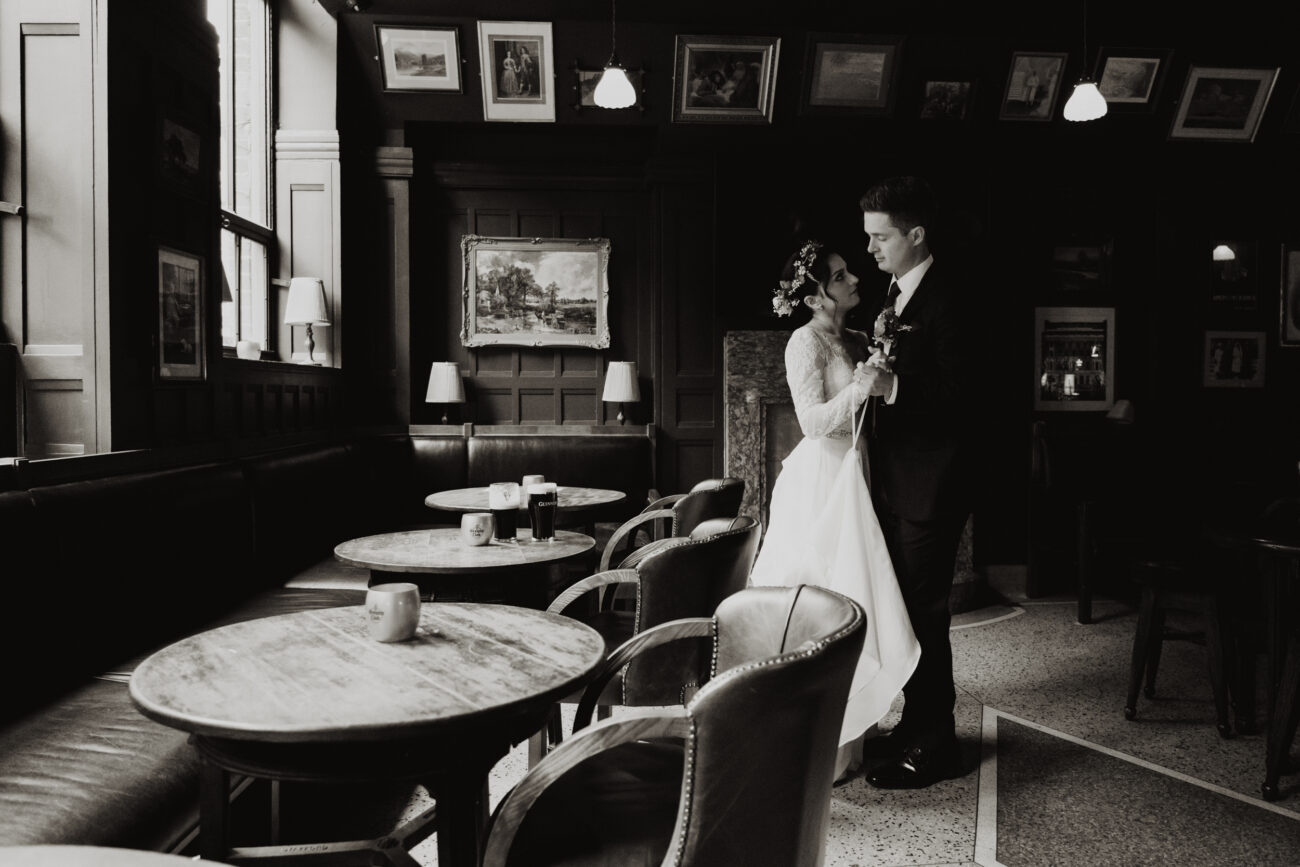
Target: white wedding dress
[[823, 530]]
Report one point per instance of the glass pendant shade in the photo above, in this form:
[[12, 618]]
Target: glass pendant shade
[[1085, 103], [614, 90]]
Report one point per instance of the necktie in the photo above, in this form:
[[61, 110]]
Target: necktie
[[894, 292]]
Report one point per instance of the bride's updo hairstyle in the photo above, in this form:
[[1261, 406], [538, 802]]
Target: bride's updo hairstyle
[[804, 271]]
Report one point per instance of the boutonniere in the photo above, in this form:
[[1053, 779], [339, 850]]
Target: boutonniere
[[886, 333]]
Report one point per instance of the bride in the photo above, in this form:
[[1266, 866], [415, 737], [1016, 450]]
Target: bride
[[822, 527]]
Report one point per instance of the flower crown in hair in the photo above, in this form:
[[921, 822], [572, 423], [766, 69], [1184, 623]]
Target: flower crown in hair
[[785, 297]]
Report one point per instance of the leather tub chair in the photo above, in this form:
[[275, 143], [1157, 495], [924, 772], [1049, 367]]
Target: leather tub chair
[[711, 498], [741, 774]]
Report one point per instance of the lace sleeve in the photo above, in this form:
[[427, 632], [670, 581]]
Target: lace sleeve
[[819, 415]]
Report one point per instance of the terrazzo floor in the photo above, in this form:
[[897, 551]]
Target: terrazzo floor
[[1028, 662]]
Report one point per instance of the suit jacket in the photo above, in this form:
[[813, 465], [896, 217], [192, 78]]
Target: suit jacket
[[918, 444]]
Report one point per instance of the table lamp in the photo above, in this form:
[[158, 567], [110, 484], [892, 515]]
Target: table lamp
[[306, 307], [445, 385], [621, 385]]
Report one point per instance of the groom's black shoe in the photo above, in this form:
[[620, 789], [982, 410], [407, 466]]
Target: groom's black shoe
[[919, 767], [886, 748]]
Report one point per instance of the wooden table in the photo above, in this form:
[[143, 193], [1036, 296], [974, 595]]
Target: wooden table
[[87, 856], [309, 696], [443, 565], [569, 499]]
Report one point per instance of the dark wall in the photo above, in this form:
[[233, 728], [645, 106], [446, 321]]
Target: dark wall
[[1011, 190]]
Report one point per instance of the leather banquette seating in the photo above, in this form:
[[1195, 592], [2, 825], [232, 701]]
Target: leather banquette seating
[[107, 558]]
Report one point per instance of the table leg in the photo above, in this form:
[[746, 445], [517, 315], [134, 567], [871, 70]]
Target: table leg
[[462, 805], [214, 810]]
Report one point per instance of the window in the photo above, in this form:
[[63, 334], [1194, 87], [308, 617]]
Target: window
[[247, 237]]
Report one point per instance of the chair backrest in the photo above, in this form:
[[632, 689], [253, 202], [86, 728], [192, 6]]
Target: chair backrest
[[685, 577], [785, 660], [711, 498]]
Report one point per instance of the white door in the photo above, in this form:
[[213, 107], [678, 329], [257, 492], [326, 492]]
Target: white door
[[53, 253]]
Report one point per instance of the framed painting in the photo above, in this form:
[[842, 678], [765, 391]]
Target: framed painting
[[515, 59], [535, 292], [1130, 78], [1081, 264], [1074, 358], [1234, 359], [1223, 104], [1289, 318], [584, 87], [946, 99], [416, 57], [181, 319], [852, 75], [1032, 85], [1234, 283], [725, 79]]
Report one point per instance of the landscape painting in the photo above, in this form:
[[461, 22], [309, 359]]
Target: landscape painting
[[535, 292]]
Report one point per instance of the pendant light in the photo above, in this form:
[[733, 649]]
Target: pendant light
[[1086, 102], [614, 90]]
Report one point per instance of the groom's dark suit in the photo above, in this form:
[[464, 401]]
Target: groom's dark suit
[[920, 488]]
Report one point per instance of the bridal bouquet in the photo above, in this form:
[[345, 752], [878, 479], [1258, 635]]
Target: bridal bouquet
[[885, 336]]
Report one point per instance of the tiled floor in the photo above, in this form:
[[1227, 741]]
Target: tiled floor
[[1030, 661]]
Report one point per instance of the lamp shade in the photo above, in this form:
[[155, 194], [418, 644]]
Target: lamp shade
[[620, 382], [1222, 253], [306, 302], [614, 90], [1085, 103], [445, 385]]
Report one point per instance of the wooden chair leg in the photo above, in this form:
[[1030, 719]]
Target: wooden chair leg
[[1156, 637], [1141, 642], [1286, 715], [1214, 651]]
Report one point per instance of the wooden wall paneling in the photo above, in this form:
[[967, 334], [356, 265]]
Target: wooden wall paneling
[[389, 309]]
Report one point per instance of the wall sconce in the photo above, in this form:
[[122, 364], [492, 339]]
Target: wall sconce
[[306, 307], [613, 90], [621, 386], [445, 385]]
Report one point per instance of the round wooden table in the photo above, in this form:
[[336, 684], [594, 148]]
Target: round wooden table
[[444, 566], [87, 856], [309, 696], [570, 499]]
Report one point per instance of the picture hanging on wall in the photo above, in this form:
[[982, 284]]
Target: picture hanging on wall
[[535, 292], [725, 79], [1130, 78], [1074, 358], [1289, 319], [851, 74], [1221, 104], [1032, 85], [946, 99], [515, 60], [1234, 284], [417, 58], [1234, 359], [180, 315], [1081, 264]]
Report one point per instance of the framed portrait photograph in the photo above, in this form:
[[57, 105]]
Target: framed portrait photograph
[[1234, 282], [1074, 358], [1130, 78], [515, 58], [180, 315], [535, 292], [1081, 264], [1289, 318], [1033, 85], [724, 79], [1223, 104], [416, 57], [946, 99], [584, 87], [1234, 359], [851, 74]]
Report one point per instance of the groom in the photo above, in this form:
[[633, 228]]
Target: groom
[[917, 472]]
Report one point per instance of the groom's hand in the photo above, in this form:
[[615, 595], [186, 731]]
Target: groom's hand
[[876, 381]]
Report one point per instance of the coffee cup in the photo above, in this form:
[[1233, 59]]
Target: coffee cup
[[249, 350], [476, 528], [393, 611]]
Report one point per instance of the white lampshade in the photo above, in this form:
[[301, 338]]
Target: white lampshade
[[1085, 103], [620, 382], [614, 90], [1223, 253], [306, 302], [445, 385]]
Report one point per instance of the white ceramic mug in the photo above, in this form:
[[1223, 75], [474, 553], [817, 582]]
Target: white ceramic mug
[[393, 611], [248, 349], [476, 528]]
